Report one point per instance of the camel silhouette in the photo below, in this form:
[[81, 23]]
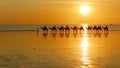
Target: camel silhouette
[[61, 28], [81, 28], [105, 28], [89, 28], [53, 28], [97, 28], [94, 28], [44, 28], [75, 28], [67, 28]]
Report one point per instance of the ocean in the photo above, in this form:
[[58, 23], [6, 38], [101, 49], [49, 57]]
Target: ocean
[[35, 26], [29, 49]]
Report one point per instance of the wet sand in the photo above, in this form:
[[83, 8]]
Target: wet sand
[[27, 49]]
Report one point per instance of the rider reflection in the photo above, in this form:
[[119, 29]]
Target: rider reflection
[[61, 34], [54, 34], [75, 34], [67, 34], [45, 34], [106, 34]]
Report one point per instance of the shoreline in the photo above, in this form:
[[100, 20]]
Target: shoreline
[[39, 30]]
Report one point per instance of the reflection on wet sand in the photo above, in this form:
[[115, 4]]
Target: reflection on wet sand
[[106, 34], [67, 34], [84, 44], [45, 34], [97, 34], [67, 50], [74, 34], [61, 34], [54, 34]]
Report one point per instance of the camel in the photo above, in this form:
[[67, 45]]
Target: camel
[[81, 28], [53, 28], [94, 28], [61, 28], [67, 28], [44, 28], [89, 28], [105, 28], [97, 28], [75, 28]]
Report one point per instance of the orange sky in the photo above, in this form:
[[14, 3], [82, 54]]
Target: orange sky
[[59, 12]]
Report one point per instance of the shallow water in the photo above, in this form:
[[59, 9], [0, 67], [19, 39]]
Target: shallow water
[[8, 27], [27, 49]]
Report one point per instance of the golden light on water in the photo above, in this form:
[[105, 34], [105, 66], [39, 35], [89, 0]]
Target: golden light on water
[[84, 9], [84, 27], [84, 46]]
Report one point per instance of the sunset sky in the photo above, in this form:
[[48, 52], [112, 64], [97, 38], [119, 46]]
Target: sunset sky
[[59, 12]]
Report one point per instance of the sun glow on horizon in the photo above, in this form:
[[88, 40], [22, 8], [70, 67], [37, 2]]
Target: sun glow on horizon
[[84, 9]]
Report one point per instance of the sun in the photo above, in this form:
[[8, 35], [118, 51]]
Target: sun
[[84, 9]]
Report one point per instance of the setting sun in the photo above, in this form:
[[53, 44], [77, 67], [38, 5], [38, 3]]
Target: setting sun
[[84, 9]]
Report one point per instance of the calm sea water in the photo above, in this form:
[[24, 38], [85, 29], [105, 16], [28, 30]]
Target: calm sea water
[[35, 26], [27, 49]]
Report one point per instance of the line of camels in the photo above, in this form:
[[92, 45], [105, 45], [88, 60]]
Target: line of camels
[[75, 28]]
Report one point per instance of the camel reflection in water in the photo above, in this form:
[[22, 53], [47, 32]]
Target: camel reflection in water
[[97, 34], [67, 34], [74, 34], [45, 34], [61, 34], [54, 34]]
